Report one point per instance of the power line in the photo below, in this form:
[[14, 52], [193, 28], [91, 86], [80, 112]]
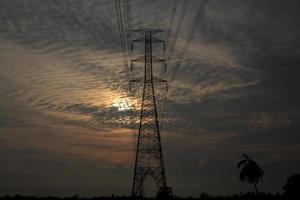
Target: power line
[[171, 21], [190, 36], [183, 52], [178, 28], [126, 20], [121, 32], [127, 4], [172, 49]]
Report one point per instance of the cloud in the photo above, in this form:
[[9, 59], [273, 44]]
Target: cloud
[[110, 147], [269, 120], [63, 84]]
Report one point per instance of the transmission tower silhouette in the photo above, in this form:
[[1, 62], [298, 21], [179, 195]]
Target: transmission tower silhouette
[[149, 158]]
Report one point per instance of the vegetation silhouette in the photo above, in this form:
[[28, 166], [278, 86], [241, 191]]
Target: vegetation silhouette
[[250, 171], [292, 187], [204, 196], [165, 193]]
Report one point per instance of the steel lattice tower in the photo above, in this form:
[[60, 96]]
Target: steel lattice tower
[[149, 157]]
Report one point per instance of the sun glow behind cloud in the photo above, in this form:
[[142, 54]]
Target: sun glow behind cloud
[[52, 86], [123, 104]]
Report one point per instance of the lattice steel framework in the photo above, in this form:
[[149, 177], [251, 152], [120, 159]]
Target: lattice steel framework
[[149, 157]]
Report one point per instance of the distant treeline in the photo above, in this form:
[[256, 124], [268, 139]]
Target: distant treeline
[[204, 196]]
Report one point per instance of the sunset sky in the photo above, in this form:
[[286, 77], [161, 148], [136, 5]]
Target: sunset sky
[[68, 124]]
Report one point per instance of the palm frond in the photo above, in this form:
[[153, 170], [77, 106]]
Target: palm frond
[[241, 163], [244, 155], [250, 171]]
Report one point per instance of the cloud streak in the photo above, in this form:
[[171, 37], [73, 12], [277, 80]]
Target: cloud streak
[[63, 92]]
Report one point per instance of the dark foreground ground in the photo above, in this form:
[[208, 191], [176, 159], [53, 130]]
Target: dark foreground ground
[[248, 196]]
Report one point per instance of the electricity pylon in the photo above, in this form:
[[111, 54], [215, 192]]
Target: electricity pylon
[[149, 158]]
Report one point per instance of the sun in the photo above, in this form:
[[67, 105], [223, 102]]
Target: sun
[[123, 104]]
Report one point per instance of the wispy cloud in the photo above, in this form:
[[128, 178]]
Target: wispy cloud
[[64, 94]]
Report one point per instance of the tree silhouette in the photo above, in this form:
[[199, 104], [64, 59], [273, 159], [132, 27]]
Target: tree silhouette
[[164, 193], [250, 171], [291, 188]]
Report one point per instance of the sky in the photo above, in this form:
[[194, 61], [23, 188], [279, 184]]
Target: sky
[[68, 124]]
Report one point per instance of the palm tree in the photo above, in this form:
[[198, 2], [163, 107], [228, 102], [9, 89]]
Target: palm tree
[[250, 171]]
